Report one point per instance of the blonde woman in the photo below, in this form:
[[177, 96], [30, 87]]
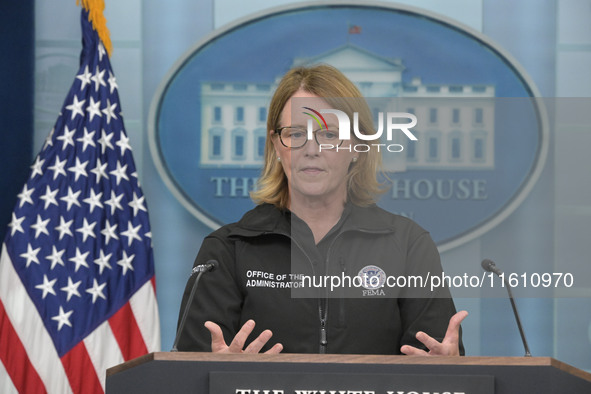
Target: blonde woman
[[316, 218]]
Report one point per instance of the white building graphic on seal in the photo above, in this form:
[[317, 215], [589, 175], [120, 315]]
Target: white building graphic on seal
[[455, 127]]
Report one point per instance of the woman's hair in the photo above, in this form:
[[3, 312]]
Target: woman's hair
[[337, 90]]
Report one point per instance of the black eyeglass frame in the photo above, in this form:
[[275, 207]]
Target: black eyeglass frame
[[280, 129]]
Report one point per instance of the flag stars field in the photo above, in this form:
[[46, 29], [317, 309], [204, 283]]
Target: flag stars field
[[95, 201]]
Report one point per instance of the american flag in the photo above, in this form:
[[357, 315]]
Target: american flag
[[77, 291], [355, 29]]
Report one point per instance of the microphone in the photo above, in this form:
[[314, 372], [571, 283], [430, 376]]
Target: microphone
[[209, 266], [200, 269], [489, 266]]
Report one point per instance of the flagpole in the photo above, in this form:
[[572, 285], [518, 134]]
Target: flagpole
[[348, 35]]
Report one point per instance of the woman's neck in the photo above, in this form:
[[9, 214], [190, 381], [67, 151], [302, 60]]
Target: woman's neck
[[319, 214]]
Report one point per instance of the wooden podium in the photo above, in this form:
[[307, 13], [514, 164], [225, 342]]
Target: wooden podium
[[185, 372]]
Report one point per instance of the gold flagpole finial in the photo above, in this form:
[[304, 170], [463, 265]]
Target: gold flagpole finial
[[95, 10]]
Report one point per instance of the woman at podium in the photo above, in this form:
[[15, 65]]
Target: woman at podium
[[317, 266]]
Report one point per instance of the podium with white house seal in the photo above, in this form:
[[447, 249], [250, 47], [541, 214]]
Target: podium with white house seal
[[189, 372]]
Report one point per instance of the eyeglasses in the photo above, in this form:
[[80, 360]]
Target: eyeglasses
[[296, 137]]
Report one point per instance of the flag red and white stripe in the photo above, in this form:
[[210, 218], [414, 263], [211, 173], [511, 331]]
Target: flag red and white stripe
[[33, 365]]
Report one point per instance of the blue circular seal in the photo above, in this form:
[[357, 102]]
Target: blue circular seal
[[482, 134], [372, 277]]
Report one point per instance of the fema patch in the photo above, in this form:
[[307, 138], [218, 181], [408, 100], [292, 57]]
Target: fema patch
[[372, 277]]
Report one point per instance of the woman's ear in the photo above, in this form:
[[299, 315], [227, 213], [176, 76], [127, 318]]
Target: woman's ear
[[275, 141]]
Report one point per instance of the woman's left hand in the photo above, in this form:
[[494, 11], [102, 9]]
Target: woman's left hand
[[448, 347]]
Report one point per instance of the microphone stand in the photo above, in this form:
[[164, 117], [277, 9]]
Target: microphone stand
[[489, 266], [200, 269], [526, 347]]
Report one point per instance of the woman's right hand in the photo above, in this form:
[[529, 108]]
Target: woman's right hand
[[218, 343]]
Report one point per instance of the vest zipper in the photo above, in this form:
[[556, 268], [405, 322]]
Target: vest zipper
[[323, 311], [342, 317], [323, 341]]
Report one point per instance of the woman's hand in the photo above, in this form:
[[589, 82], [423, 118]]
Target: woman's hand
[[448, 347], [218, 343]]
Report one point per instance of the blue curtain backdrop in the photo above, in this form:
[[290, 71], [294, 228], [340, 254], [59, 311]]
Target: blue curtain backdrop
[[17, 21]]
